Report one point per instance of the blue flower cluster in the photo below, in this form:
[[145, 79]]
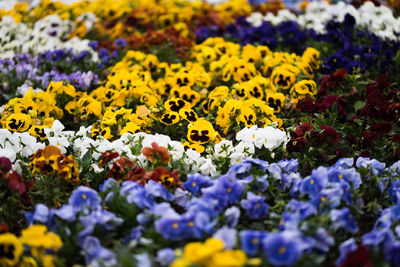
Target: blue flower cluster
[[267, 210]]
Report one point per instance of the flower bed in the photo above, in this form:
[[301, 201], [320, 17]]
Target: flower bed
[[178, 133]]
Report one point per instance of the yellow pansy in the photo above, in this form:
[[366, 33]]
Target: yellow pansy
[[11, 249]]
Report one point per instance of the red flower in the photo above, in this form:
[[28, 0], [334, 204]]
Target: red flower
[[16, 183], [3, 228], [107, 156], [380, 128], [306, 105], [361, 257], [328, 135], [126, 169], [330, 82], [296, 145], [396, 138], [156, 153], [302, 129], [5, 167]]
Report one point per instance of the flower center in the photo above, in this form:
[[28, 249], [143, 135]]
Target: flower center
[[312, 181], [282, 250], [254, 241], [84, 197], [175, 226]]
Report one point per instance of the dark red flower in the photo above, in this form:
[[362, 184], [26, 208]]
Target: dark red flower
[[122, 169], [328, 135], [330, 82], [380, 128], [306, 105], [5, 167], [296, 144], [396, 138], [3, 228], [18, 184], [302, 129], [351, 138], [361, 257], [107, 156]]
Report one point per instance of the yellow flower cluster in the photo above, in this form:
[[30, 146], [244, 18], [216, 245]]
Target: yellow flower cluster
[[210, 253], [39, 241], [33, 112], [223, 88]]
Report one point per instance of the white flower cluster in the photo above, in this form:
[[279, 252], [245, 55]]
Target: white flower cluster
[[49, 33], [25, 145], [376, 19]]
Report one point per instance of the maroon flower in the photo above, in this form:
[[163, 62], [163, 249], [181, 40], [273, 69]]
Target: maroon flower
[[328, 135], [361, 257], [107, 156], [396, 138], [296, 144], [351, 138], [306, 105], [330, 82], [302, 129], [17, 183], [380, 128], [5, 167]]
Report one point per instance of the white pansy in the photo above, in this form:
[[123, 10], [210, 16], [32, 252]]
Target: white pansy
[[61, 142], [376, 19], [247, 134], [269, 137], [8, 153], [245, 147], [237, 157], [176, 150], [208, 168]]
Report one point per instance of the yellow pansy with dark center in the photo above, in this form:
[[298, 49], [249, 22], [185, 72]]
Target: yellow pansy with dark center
[[197, 147], [95, 132], [175, 104], [130, 127], [302, 88], [188, 114], [183, 79], [256, 92], [170, 118], [18, 122], [166, 179], [247, 116], [276, 101], [106, 133], [239, 90], [38, 131], [25, 106], [201, 132], [283, 77], [10, 249]]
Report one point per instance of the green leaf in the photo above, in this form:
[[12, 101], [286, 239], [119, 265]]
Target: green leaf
[[359, 105]]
